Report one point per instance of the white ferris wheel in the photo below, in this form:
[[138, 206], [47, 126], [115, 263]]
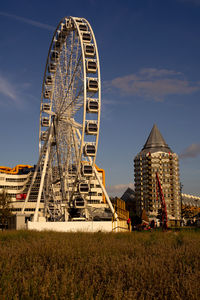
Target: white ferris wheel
[[69, 121]]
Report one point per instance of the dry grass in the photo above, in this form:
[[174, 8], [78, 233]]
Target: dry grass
[[99, 266]]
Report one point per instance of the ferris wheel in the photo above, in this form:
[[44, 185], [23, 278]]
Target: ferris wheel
[[69, 119], [71, 92]]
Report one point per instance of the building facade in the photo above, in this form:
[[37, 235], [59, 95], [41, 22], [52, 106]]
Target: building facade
[[190, 208], [157, 158], [16, 183]]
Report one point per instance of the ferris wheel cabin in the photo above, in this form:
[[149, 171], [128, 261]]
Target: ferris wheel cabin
[[92, 85], [92, 106], [89, 149], [91, 66], [86, 170], [52, 67], [91, 127], [89, 50]]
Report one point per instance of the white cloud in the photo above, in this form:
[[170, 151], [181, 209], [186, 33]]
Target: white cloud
[[152, 83], [156, 73], [119, 189], [13, 91], [191, 151], [7, 88], [28, 21]]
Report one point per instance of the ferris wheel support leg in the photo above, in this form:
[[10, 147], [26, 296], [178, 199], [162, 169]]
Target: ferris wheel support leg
[[35, 217], [75, 143], [35, 174], [59, 162], [105, 193]]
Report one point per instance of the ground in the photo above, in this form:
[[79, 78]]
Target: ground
[[137, 265]]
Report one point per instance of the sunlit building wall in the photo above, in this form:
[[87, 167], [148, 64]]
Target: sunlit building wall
[[157, 157]]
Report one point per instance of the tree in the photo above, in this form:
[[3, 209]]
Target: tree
[[5, 209]]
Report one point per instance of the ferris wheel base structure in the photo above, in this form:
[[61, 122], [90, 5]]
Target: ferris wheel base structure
[[78, 226]]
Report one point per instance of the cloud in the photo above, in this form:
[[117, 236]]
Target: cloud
[[7, 88], [119, 189], [13, 91], [191, 152], [152, 83], [28, 21]]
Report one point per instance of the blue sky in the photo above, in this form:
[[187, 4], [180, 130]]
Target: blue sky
[[150, 68]]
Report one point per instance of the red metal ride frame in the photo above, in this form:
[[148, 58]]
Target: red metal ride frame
[[163, 204]]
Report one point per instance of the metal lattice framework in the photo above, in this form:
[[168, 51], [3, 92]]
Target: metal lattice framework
[[69, 120]]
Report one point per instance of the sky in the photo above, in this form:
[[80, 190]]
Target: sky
[[150, 71]]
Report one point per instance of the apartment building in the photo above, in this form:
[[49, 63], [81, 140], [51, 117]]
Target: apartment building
[[156, 157]]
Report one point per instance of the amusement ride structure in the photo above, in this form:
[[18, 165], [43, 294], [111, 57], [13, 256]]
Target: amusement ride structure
[[69, 126], [161, 198]]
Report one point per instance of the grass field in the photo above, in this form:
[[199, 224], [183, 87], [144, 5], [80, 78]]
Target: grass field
[[139, 265]]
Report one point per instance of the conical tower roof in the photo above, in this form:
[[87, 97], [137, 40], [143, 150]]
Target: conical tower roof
[[155, 142]]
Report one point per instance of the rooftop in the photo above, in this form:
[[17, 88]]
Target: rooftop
[[155, 142]]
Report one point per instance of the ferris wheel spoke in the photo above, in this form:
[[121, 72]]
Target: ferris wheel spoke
[[62, 84], [71, 83], [78, 141], [76, 145], [73, 102], [70, 152], [73, 123], [69, 67], [78, 135], [76, 84], [76, 67]]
